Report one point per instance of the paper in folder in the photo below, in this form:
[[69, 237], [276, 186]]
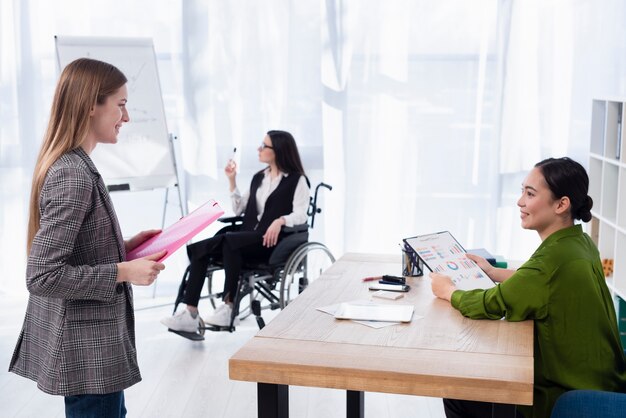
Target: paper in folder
[[174, 236]]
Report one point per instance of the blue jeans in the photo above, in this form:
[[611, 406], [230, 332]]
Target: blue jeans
[[590, 404], [110, 405]]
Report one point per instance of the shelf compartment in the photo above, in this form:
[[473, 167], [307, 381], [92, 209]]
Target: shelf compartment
[[606, 241], [619, 266], [595, 182], [598, 116], [610, 179], [594, 229], [607, 248], [613, 131], [620, 134], [621, 200]]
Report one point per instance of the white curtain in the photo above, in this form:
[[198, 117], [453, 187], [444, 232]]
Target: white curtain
[[412, 106], [250, 67], [422, 115], [559, 56], [28, 74]]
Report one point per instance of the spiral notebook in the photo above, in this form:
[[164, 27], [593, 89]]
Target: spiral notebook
[[176, 235], [442, 253]]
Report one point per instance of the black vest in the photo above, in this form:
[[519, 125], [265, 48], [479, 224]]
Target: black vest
[[279, 202]]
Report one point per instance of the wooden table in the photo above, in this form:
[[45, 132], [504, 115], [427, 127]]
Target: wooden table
[[442, 354]]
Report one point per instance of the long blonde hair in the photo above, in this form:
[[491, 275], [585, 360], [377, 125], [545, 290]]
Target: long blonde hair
[[83, 84]]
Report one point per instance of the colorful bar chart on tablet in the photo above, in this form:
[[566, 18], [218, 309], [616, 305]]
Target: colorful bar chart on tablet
[[442, 253]]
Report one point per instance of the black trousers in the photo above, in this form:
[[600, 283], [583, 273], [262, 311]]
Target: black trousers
[[455, 408], [231, 249]]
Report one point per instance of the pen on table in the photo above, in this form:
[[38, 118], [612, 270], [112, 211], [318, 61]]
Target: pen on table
[[371, 279]]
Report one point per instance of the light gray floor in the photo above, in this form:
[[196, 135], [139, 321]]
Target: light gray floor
[[188, 379]]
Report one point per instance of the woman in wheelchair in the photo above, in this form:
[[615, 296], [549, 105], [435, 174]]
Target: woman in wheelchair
[[278, 195]]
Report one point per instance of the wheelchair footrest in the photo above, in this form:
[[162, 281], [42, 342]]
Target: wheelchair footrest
[[193, 336], [217, 328]]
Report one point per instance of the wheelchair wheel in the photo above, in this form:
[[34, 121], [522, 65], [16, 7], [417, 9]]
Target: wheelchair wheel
[[214, 287], [306, 264]]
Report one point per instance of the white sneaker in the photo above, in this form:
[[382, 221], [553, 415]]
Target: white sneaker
[[221, 316], [182, 321]]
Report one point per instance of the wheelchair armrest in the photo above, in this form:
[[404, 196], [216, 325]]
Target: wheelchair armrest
[[288, 245], [296, 228], [231, 219]]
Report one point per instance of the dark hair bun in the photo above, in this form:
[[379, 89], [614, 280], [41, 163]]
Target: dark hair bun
[[566, 177], [584, 212]]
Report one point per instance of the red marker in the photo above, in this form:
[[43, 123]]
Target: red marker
[[371, 279]]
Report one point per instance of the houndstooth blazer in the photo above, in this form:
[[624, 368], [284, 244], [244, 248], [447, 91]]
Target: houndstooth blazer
[[78, 335]]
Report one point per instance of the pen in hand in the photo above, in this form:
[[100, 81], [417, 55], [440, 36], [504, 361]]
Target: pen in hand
[[231, 162], [231, 169]]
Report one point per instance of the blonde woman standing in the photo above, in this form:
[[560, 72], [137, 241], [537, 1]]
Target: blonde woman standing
[[78, 337]]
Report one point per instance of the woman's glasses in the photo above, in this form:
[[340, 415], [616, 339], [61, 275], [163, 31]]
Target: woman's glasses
[[264, 145]]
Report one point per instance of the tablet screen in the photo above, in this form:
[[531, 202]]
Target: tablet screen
[[442, 253]]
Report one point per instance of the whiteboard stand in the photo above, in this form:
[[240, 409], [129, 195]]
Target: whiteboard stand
[[181, 202]]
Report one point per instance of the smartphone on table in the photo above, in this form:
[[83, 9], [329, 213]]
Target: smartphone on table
[[390, 287]]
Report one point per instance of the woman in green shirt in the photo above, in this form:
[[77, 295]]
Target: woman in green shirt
[[562, 288]]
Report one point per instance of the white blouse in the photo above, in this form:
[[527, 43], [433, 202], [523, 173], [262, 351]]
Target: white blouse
[[268, 185]]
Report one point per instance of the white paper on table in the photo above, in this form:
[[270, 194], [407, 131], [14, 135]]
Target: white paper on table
[[331, 309]]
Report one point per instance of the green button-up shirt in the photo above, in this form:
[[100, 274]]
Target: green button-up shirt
[[562, 288]]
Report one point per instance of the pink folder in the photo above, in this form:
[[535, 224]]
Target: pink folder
[[174, 236]]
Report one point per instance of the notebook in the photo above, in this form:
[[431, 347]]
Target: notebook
[[375, 312], [174, 236], [442, 253]]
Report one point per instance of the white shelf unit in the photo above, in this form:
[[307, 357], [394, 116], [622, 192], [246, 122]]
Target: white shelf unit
[[607, 187]]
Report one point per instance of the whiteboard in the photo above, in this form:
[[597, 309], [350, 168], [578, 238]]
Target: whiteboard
[[142, 159]]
